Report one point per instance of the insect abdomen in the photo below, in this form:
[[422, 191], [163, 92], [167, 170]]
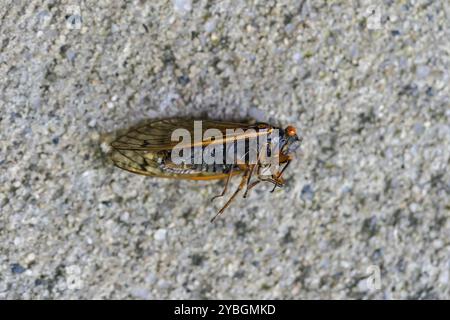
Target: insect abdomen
[[213, 168]]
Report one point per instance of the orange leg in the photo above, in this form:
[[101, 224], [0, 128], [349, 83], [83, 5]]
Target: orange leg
[[249, 178], [226, 185], [280, 174], [241, 186], [257, 165], [277, 183]]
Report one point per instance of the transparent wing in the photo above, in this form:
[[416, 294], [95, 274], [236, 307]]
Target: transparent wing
[[148, 163], [157, 135]]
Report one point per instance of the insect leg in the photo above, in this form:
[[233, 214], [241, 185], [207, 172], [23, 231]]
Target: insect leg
[[278, 182], [249, 187], [280, 174], [257, 165], [249, 178], [252, 185], [241, 186], [226, 185]]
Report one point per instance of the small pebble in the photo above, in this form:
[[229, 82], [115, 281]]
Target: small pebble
[[17, 268], [160, 235]]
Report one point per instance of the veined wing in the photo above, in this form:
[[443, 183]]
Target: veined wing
[[149, 163], [157, 135]]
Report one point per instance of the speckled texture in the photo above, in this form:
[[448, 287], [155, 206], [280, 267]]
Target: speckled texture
[[367, 86]]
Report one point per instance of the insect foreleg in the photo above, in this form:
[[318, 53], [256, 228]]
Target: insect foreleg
[[280, 174], [252, 185]]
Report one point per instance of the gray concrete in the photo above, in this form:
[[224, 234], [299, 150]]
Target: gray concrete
[[365, 210]]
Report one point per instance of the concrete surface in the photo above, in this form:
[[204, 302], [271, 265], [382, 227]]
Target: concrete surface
[[365, 213]]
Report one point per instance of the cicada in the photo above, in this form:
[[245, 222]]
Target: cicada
[[208, 150]]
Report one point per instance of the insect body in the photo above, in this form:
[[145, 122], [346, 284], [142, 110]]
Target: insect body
[[218, 150]]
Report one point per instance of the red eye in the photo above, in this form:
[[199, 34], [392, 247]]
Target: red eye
[[291, 131]]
